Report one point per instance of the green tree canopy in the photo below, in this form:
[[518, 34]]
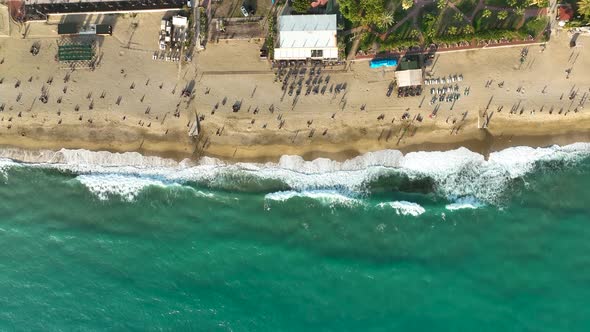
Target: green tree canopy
[[486, 13], [385, 21], [502, 15], [407, 4], [468, 29], [366, 12], [584, 8], [300, 6]]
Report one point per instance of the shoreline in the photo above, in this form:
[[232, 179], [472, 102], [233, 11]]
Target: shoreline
[[482, 141], [504, 133]]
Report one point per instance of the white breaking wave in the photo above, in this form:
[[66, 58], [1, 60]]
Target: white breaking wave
[[461, 173], [464, 203], [127, 187], [328, 197], [455, 173], [404, 208], [383, 158], [5, 165], [80, 157]]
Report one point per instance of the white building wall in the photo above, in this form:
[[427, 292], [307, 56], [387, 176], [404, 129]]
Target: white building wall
[[303, 53]]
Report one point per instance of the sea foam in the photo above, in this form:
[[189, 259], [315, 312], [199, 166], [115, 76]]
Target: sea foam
[[328, 197], [464, 203], [126, 187], [5, 165], [455, 174], [404, 208]]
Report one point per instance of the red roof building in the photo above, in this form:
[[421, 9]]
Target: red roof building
[[565, 13], [317, 3]]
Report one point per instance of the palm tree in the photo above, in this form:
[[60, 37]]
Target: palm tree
[[458, 17], [486, 13], [503, 15], [386, 21], [584, 7], [407, 4], [468, 29]]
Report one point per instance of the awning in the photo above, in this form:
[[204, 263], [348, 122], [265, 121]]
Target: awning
[[409, 77]]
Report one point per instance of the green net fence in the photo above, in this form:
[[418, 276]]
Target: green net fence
[[75, 52]]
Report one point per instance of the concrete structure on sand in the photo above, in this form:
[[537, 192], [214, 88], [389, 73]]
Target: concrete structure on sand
[[39, 10], [91, 29]]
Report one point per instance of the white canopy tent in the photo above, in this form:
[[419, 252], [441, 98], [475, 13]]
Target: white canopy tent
[[307, 37], [411, 77]]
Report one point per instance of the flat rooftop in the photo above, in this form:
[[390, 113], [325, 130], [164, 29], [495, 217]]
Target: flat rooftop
[[36, 9], [307, 23], [412, 77], [307, 31], [34, 2]]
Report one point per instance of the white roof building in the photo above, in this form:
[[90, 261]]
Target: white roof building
[[410, 77], [303, 37], [180, 21]]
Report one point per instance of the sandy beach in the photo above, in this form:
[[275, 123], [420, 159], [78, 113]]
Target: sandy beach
[[152, 117]]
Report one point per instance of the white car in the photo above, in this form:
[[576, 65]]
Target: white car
[[244, 11]]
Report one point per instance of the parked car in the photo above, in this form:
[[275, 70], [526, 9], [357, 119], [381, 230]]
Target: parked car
[[244, 11]]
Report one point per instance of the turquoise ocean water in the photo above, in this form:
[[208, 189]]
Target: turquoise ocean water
[[439, 243]]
